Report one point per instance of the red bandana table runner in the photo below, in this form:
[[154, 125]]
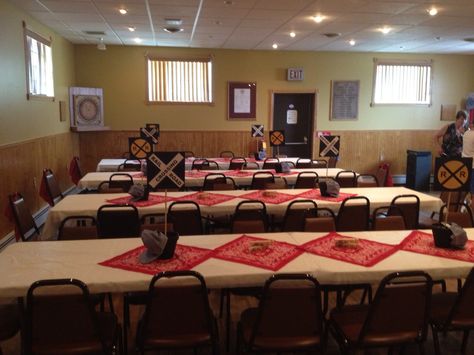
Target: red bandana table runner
[[367, 253], [287, 174], [273, 256], [238, 173], [315, 194], [423, 243], [185, 258], [206, 198], [196, 174], [136, 175], [152, 200], [268, 196]]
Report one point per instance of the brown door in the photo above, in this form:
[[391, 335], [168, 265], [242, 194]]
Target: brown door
[[294, 113]]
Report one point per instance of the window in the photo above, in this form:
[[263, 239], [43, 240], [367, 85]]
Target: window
[[39, 65], [402, 82], [187, 81]]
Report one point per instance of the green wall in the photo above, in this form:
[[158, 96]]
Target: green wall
[[22, 119], [121, 72]]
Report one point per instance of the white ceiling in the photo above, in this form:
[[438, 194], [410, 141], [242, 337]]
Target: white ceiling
[[258, 24]]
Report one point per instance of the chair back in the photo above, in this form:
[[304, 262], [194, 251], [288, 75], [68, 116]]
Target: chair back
[[409, 205], [78, 228], [52, 186], [346, 178], [353, 214], [237, 163], [381, 220], [251, 165], [118, 221], [400, 309], [24, 222], [176, 315], [121, 180], [462, 215], [279, 183], [59, 322], [211, 179], [319, 164], [290, 311], [462, 313], [186, 218], [307, 180], [296, 213], [303, 163], [130, 165], [250, 216], [227, 154], [155, 221], [104, 188], [324, 221], [261, 178], [455, 199], [270, 163], [382, 175], [228, 184], [367, 180]]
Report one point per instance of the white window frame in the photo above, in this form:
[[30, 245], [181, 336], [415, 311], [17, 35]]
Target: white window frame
[[423, 88], [196, 90], [39, 65]]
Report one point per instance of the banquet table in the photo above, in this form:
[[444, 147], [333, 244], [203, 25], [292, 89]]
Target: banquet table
[[111, 164], [24, 263], [220, 203], [195, 178]]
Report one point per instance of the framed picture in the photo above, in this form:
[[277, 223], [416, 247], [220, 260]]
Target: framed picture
[[344, 100], [242, 100]]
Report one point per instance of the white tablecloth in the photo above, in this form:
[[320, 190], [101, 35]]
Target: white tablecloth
[[92, 180], [88, 204], [24, 263], [110, 164], [224, 162]]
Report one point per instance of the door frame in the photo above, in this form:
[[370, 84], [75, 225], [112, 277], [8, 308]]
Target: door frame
[[315, 94]]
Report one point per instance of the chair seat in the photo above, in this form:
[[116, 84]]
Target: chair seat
[[280, 343], [9, 320], [441, 305], [350, 319], [74, 344]]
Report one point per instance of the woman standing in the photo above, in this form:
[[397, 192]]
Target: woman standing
[[451, 134]]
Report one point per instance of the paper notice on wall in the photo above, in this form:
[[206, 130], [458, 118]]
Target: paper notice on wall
[[242, 100], [291, 116]]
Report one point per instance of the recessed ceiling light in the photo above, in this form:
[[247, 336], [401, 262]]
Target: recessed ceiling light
[[172, 29], [318, 18], [469, 39], [274, 46], [402, 48], [137, 40], [228, 2], [352, 42], [385, 30], [292, 34], [433, 11], [331, 34], [123, 11], [438, 38], [131, 28]]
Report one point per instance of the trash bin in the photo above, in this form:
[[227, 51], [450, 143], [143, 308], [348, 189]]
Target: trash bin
[[418, 170]]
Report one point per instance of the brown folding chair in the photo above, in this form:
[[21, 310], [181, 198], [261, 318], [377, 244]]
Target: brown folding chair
[[130, 165], [398, 315], [78, 228], [353, 214], [288, 318], [177, 316], [270, 163], [462, 215], [346, 178], [250, 165], [409, 206], [67, 323], [52, 186], [250, 216], [452, 311], [296, 214], [381, 220], [121, 180], [260, 179], [279, 183], [237, 163], [227, 154], [367, 180], [324, 221], [104, 188], [211, 179], [307, 180], [9, 321], [118, 221], [454, 197], [155, 221], [319, 164], [186, 218], [303, 163], [24, 222]]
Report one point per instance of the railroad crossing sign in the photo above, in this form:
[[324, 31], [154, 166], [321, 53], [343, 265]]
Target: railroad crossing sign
[[452, 174], [329, 146], [165, 170], [257, 130], [277, 138], [151, 131], [139, 147]]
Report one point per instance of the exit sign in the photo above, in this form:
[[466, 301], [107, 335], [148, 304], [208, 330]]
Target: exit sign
[[295, 74]]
